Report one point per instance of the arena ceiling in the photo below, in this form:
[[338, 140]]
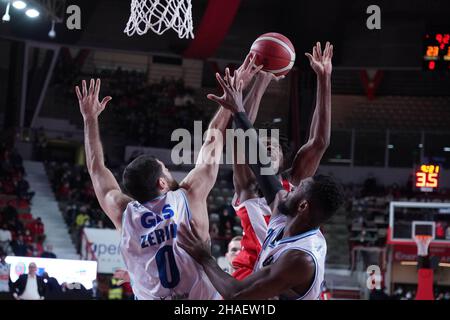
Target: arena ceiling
[[304, 21]]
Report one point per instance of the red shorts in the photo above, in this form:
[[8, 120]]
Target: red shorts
[[254, 215]]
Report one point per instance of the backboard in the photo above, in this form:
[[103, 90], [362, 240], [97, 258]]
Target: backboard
[[407, 219]]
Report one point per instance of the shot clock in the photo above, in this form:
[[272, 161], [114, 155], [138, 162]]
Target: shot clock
[[437, 51], [427, 177]]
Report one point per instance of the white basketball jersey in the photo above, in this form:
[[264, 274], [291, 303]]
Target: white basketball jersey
[[311, 242], [158, 268]]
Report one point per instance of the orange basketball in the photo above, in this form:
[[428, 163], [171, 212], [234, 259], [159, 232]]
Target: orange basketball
[[275, 52]]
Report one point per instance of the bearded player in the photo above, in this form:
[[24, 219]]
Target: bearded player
[[249, 206], [147, 213]]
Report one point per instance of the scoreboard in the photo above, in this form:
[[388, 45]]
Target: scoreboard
[[437, 51], [427, 177]]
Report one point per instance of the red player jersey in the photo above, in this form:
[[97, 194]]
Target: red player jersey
[[255, 215]]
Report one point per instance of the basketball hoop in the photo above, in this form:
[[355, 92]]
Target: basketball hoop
[[159, 16], [423, 242]]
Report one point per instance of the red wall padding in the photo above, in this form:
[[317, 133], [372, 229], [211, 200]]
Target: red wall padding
[[213, 28]]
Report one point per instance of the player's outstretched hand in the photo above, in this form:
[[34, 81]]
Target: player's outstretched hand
[[232, 94], [90, 106], [245, 72], [321, 61], [190, 241], [121, 275]]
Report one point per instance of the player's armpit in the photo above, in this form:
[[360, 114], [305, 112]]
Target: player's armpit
[[111, 199], [294, 270], [200, 180], [114, 204]]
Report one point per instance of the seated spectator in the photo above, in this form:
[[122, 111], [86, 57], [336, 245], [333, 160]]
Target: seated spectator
[[19, 247], [63, 192], [16, 159], [16, 226], [228, 234], [38, 249], [37, 228], [48, 253], [10, 212], [88, 191], [5, 238], [226, 221], [214, 231], [8, 186], [362, 236], [71, 213], [23, 189], [82, 218], [28, 238], [370, 185], [5, 281]]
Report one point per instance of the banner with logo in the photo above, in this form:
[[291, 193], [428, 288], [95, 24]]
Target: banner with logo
[[63, 270], [409, 253], [102, 245]]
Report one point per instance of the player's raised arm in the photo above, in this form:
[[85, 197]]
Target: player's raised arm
[[308, 157], [232, 100], [199, 182], [243, 178], [107, 189], [266, 283]]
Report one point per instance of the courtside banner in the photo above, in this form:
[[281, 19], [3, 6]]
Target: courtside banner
[[102, 245], [63, 270], [409, 253]]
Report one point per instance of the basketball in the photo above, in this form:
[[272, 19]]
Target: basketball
[[275, 52]]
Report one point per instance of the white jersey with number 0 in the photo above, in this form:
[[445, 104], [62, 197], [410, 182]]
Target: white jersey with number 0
[[158, 267], [311, 242]]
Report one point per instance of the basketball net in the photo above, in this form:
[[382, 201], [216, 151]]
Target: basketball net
[[422, 242], [159, 16]]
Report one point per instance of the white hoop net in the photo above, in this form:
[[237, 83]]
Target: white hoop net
[[159, 16], [422, 242]]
